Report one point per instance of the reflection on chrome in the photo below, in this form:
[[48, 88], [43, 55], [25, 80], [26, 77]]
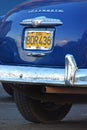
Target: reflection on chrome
[[70, 76], [70, 70], [41, 21]]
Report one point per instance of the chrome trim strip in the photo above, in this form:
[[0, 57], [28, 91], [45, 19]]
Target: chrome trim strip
[[33, 54], [71, 75], [41, 21]]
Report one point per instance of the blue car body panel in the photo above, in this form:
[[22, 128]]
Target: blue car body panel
[[70, 38]]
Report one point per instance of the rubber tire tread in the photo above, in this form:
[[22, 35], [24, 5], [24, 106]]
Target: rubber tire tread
[[32, 110]]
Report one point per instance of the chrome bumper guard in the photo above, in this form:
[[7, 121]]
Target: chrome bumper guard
[[70, 76]]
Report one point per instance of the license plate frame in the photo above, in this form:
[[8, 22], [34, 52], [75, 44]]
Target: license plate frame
[[47, 33]]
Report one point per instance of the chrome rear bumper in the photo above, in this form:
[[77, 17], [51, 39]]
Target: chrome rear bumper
[[70, 76]]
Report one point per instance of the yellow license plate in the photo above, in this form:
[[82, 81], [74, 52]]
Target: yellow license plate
[[38, 40]]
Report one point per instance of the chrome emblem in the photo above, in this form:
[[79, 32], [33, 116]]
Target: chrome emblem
[[41, 21], [46, 11]]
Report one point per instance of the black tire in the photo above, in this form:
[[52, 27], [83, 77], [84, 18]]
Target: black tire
[[37, 111], [8, 88]]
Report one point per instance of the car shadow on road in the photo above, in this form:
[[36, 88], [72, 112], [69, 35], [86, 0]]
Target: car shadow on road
[[64, 125]]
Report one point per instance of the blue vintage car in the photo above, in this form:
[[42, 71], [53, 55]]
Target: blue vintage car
[[43, 57]]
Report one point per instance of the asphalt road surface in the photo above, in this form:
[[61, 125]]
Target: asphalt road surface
[[10, 118]]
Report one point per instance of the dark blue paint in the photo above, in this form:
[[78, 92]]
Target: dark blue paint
[[70, 38]]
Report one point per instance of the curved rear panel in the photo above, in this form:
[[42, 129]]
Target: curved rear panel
[[69, 38]]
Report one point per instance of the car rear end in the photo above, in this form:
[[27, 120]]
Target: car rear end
[[44, 55]]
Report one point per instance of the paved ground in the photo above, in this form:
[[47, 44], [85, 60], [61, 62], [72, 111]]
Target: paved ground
[[10, 118]]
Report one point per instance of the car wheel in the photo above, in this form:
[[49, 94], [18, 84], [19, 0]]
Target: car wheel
[[39, 111], [8, 88]]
